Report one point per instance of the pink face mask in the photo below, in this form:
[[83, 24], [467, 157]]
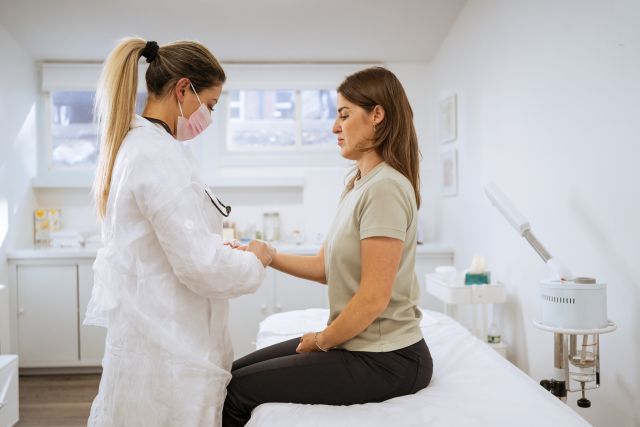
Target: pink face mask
[[187, 129]]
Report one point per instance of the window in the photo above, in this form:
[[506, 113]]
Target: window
[[74, 132], [280, 119], [271, 116], [74, 136], [318, 117]]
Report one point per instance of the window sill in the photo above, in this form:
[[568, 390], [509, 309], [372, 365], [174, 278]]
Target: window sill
[[226, 178], [62, 181], [257, 177]]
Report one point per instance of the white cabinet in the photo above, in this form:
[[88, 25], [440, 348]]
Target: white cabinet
[[246, 313], [5, 333], [48, 299], [49, 293], [47, 315], [281, 292], [92, 338], [292, 293]]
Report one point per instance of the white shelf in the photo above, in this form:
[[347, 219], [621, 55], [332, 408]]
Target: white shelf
[[257, 182], [458, 293], [62, 181]]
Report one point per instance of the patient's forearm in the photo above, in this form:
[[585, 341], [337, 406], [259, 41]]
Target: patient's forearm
[[359, 313], [305, 267]]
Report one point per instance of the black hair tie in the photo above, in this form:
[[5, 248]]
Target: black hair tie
[[150, 51]]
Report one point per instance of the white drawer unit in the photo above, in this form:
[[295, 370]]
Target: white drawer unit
[[8, 390]]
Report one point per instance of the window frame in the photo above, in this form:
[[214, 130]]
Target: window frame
[[65, 77], [297, 77], [49, 139], [298, 146], [211, 148]]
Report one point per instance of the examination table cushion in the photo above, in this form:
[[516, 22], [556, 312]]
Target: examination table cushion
[[472, 385]]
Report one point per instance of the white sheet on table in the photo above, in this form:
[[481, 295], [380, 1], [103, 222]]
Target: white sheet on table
[[472, 385]]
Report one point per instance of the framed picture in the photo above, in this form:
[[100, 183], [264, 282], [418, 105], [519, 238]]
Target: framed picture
[[449, 163], [448, 125]]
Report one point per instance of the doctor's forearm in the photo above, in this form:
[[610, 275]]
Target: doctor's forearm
[[304, 267]]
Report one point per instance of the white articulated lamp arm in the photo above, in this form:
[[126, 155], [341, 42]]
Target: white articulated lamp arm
[[506, 208], [521, 225]]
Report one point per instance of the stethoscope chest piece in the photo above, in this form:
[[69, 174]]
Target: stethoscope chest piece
[[224, 210]]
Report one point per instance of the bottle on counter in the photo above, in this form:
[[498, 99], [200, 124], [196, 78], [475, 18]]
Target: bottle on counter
[[493, 334]]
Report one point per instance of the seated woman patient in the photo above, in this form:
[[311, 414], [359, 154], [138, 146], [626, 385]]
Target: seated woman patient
[[372, 348]]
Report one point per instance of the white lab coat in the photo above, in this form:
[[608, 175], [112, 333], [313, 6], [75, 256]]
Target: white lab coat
[[161, 286]]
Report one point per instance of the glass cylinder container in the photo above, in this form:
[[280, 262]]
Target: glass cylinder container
[[271, 224]]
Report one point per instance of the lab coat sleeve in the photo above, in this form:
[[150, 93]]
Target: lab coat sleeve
[[174, 206]]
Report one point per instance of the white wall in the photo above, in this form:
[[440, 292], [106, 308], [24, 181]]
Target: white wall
[[549, 106], [417, 80], [18, 115]]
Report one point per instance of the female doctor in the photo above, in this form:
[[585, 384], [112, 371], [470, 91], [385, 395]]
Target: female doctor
[[164, 276]]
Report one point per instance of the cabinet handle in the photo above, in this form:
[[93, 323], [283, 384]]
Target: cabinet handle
[[20, 310], [263, 307], [278, 307]]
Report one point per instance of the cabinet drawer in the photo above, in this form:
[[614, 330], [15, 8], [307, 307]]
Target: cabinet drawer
[[47, 315]]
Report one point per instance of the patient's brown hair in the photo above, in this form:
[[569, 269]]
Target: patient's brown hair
[[395, 137]]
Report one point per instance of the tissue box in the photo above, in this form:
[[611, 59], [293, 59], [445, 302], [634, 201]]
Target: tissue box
[[477, 278]]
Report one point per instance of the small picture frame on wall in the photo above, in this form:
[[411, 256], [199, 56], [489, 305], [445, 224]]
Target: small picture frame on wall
[[448, 126], [449, 165]]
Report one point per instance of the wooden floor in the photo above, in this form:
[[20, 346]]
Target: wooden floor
[[56, 400]]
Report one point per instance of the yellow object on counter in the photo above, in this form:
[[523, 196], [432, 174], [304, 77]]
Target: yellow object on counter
[[45, 221]]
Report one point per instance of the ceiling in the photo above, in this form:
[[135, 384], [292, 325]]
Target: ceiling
[[236, 30]]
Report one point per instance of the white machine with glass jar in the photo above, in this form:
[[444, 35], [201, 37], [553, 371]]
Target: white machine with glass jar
[[574, 309]]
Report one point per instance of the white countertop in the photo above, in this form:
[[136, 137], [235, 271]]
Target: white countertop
[[304, 249]]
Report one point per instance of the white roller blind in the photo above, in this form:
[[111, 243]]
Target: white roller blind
[[78, 76], [84, 76], [287, 76]]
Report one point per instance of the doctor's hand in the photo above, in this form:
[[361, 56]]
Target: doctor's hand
[[235, 244], [261, 250]]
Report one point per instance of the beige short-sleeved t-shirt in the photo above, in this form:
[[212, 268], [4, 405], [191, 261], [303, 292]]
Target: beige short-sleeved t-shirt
[[382, 203]]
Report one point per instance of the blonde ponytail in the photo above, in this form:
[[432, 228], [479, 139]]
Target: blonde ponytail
[[115, 109], [117, 90]]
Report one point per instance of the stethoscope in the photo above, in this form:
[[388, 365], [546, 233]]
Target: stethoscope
[[227, 209]]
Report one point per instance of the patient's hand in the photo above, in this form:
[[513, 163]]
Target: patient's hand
[[261, 250], [308, 343]]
